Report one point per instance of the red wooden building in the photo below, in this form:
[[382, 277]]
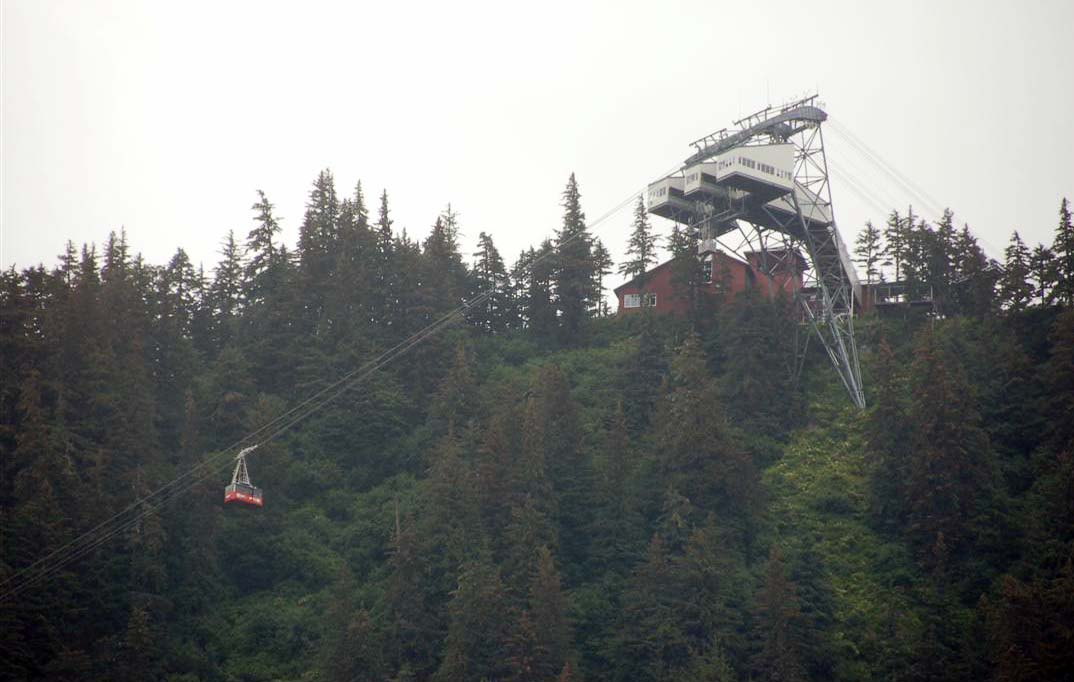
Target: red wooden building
[[723, 276]]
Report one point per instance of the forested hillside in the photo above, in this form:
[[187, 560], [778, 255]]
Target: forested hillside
[[541, 491]]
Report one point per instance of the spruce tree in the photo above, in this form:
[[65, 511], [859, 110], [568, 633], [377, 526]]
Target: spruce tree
[[603, 263], [868, 250], [1042, 271], [1063, 248], [553, 429], [575, 268], [973, 287], [548, 612], [225, 294], [491, 315], [781, 656], [539, 302], [617, 530], [479, 628], [643, 376], [444, 277], [386, 276], [895, 236], [456, 398], [649, 641], [940, 258], [414, 624], [696, 449], [261, 252], [887, 431], [951, 467], [349, 300], [1015, 287], [641, 247], [686, 275], [318, 243]]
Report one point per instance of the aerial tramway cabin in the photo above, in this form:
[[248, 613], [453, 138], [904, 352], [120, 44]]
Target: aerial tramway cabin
[[723, 277]]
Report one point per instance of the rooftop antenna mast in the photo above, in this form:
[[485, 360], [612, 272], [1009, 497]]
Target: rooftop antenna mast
[[762, 186]]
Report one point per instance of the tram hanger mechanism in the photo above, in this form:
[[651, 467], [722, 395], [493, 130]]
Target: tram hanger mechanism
[[241, 490]]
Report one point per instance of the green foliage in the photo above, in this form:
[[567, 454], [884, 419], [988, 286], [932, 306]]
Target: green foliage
[[542, 493], [641, 248]]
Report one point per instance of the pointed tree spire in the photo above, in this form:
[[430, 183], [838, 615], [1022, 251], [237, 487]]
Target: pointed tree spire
[[1015, 287], [575, 274], [1063, 248], [641, 247], [868, 249]]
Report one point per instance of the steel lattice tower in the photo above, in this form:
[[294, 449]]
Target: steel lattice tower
[[739, 197]]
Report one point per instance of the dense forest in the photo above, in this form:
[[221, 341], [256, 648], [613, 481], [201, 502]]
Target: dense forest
[[541, 491]]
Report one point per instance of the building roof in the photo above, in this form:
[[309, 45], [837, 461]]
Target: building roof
[[635, 278], [632, 281]]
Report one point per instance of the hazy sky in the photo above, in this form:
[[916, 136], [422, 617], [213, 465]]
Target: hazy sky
[[165, 117]]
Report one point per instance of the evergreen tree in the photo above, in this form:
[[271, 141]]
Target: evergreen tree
[[641, 247], [778, 621], [553, 429], [1042, 268], [225, 294], [318, 241], [270, 331], [817, 603], [643, 376], [550, 622], [617, 531], [575, 268], [711, 571], [492, 314], [386, 275], [261, 251], [887, 431], [951, 465], [603, 264], [895, 236], [1031, 629], [179, 300], [539, 302], [650, 643], [480, 626], [1063, 248], [973, 286], [756, 342], [354, 649], [941, 259], [919, 242], [140, 660], [456, 399], [414, 619], [350, 298], [1059, 383], [868, 250], [444, 278], [686, 275], [696, 448], [1015, 287]]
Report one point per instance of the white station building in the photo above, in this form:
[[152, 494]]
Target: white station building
[[758, 176]]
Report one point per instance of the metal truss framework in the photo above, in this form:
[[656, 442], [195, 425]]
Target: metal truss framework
[[739, 223]]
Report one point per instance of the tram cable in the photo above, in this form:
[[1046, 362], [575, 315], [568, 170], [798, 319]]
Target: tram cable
[[51, 564], [916, 193]]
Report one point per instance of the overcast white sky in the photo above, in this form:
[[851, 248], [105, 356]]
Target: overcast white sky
[[165, 117]]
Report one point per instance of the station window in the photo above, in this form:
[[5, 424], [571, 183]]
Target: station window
[[650, 300], [706, 271], [632, 301]]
